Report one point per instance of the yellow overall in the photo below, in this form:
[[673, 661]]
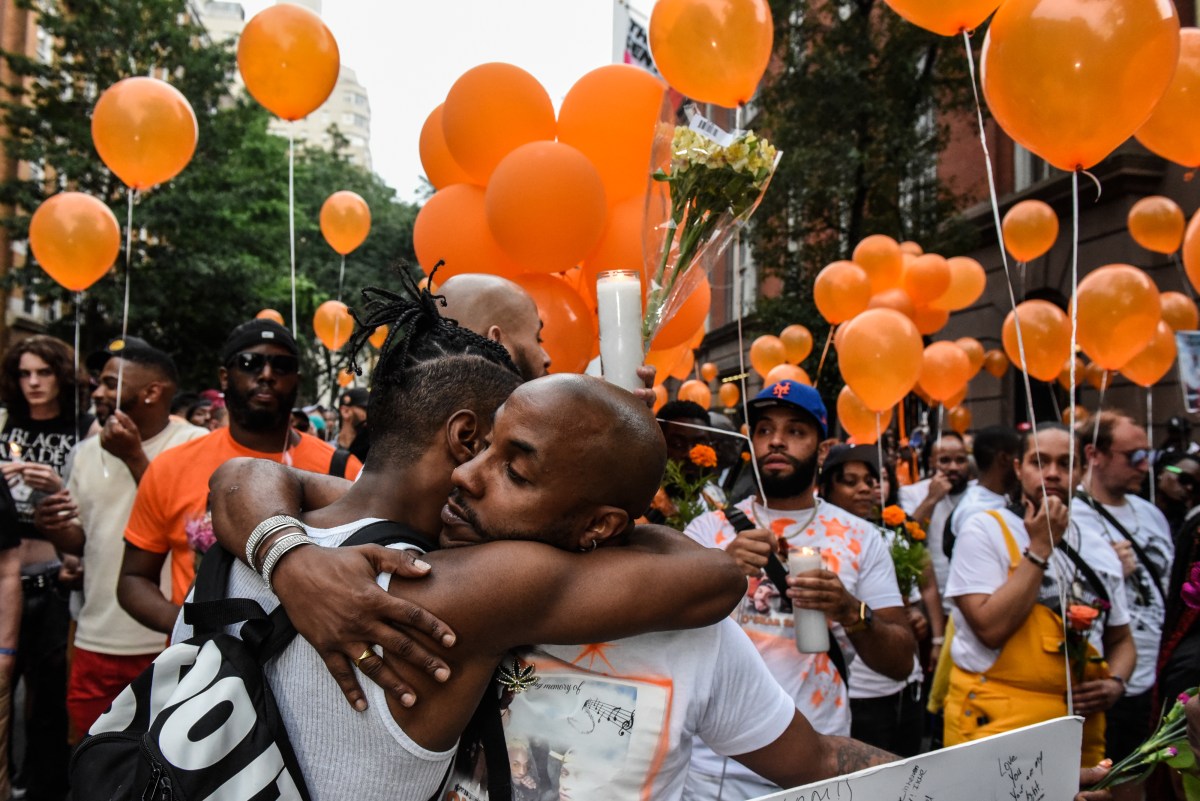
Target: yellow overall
[[1026, 685]]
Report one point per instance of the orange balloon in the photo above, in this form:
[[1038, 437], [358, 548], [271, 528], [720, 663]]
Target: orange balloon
[[1064, 376], [1191, 251], [954, 401], [452, 227], [664, 361], [797, 342], [926, 278], [660, 396], [621, 246], [1097, 376], [697, 339], [1148, 367], [269, 314], [766, 352], [1072, 79], [696, 392], [568, 327], [1119, 310], [289, 60], [546, 206], [1046, 334], [786, 372], [610, 115], [996, 363], [895, 299], [959, 419], [1030, 229], [880, 357], [1156, 223], [714, 51], [379, 337], [857, 420], [440, 167], [682, 327], [974, 351], [144, 130], [75, 238], [967, 282], [683, 368], [945, 17], [945, 370], [729, 395], [1171, 131], [345, 378], [490, 111], [841, 291], [708, 371], [880, 258], [910, 248], [1179, 311], [930, 321], [333, 324], [345, 221]]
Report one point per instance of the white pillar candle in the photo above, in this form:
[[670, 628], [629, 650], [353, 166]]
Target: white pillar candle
[[812, 632], [619, 306]]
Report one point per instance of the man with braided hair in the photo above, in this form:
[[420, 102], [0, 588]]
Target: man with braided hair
[[569, 462], [260, 375]]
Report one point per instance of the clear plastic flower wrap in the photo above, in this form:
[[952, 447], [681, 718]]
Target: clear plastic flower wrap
[[715, 181]]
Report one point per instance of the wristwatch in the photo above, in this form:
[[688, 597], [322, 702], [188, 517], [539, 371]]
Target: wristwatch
[[866, 615]]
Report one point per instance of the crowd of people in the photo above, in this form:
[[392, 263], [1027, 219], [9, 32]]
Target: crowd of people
[[1052, 586]]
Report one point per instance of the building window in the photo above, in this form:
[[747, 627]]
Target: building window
[[1028, 169], [362, 122]]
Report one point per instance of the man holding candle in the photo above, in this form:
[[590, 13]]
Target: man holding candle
[[855, 588]]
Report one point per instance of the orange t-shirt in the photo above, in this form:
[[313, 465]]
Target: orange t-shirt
[[173, 495]]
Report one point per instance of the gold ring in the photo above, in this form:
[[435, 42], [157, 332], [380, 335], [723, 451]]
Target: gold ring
[[365, 654]]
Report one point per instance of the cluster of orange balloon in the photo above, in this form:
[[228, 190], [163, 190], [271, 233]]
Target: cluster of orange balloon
[[551, 203]]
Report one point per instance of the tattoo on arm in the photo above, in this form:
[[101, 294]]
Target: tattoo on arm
[[852, 755]]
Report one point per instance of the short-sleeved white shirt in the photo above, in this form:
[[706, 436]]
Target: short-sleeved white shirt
[[981, 565], [913, 496]]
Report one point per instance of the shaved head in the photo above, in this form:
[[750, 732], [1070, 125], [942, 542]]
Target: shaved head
[[502, 311]]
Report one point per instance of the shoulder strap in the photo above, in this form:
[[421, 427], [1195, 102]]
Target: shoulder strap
[[1142, 556], [337, 464], [1087, 571], [1010, 542], [778, 576]]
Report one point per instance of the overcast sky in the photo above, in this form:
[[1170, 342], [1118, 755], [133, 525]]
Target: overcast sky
[[408, 54]]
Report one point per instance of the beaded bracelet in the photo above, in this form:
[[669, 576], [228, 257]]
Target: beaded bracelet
[[281, 546], [272, 525]]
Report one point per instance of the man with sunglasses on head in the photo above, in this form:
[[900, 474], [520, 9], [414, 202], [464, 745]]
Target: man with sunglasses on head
[[260, 376], [1106, 503]]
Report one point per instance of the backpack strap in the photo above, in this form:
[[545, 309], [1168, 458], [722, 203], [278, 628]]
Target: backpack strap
[[778, 576], [1143, 557], [337, 464]]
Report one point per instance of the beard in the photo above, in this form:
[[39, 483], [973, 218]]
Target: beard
[[253, 419], [789, 485], [558, 535]]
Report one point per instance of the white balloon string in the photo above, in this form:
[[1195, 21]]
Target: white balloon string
[[1071, 455], [1150, 434], [991, 179], [824, 353], [78, 304], [882, 469], [341, 277], [1183, 278], [292, 217], [129, 193]]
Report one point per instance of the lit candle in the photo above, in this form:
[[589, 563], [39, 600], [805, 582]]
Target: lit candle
[[619, 306], [812, 632]]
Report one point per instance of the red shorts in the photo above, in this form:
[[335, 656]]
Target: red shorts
[[96, 679]]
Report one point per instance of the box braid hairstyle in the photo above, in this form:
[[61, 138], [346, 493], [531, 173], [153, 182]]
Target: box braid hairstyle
[[429, 368]]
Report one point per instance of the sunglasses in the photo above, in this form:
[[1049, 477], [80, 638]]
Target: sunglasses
[[1136, 457], [1186, 479], [253, 363]]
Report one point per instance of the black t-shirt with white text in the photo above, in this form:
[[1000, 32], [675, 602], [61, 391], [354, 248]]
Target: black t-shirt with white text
[[46, 442]]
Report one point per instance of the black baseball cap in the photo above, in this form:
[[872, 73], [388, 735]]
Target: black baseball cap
[[354, 397], [257, 332], [116, 347]]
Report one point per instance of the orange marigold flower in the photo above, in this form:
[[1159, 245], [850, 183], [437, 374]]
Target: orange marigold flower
[[703, 456], [1081, 616], [917, 534], [745, 456], [893, 516]]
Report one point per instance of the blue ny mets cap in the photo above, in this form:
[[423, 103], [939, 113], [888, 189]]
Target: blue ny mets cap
[[793, 394]]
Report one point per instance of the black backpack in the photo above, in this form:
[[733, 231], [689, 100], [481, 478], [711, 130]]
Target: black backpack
[[201, 721]]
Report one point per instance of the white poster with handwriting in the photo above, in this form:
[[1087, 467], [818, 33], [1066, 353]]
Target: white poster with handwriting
[[1036, 763]]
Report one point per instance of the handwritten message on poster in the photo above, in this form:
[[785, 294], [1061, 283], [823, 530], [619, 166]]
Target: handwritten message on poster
[[1036, 763]]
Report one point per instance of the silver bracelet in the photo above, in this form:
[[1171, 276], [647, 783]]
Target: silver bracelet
[[272, 525], [280, 547]]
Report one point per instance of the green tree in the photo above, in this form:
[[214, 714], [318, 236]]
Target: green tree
[[858, 106], [210, 247]]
